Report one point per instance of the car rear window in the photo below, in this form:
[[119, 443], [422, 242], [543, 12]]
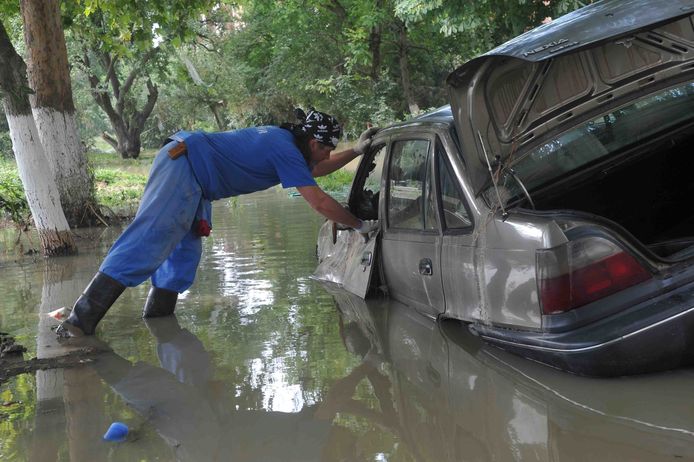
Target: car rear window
[[601, 137]]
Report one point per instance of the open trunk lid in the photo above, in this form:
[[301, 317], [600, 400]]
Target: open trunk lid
[[559, 74]]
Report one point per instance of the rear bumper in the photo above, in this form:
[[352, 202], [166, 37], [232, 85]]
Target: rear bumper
[[654, 335]]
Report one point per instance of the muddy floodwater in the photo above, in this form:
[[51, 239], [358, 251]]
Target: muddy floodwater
[[261, 363]]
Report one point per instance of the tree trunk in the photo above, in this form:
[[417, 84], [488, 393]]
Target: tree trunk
[[214, 107], [375, 39], [126, 121], [53, 108], [125, 143], [39, 185], [403, 60], [375, 48]]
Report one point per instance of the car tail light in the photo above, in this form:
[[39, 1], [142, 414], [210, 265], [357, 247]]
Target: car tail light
[[582, 271]]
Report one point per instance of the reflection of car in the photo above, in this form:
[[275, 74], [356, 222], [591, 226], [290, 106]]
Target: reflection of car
[[550, 206], [457, 399]]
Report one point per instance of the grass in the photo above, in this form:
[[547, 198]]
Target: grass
[[338, 181], [120, 182]]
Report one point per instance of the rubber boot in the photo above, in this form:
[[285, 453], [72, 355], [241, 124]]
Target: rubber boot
[[160, 302], [92, 305]]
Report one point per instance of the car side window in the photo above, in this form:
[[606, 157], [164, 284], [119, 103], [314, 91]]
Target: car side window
[[364, 202], [455, 213], [407, 179]]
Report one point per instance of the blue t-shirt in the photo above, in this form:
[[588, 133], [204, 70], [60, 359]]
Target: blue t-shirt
[[245, 161]]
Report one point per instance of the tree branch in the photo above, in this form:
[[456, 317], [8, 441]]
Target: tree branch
[[200, 43], [111, 75], [110, 140], [141, 116], [110, 65], [133, 74], [336, 8]]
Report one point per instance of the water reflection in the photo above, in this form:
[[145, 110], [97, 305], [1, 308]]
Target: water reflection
[[299, 371], [191, 413], [459, 399]]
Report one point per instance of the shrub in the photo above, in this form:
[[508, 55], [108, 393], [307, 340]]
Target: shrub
[[13, 204]]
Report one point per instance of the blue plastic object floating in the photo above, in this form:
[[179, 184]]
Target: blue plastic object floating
[[116, 433]]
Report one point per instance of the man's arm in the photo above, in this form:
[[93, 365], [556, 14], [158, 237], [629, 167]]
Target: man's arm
[[340, 159], [327, 206], [334, 162]]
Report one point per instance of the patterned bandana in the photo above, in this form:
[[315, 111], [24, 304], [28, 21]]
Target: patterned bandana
[[323, 127]]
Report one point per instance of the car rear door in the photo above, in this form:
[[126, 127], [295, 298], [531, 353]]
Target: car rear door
[[411, 240], [458, 264]]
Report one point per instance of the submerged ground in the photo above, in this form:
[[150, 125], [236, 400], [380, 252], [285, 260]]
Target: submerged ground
[[262, 363]]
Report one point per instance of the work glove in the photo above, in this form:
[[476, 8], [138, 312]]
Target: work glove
[[364, 140], [366, 226]]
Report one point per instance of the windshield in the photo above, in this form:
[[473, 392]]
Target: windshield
[[598, 139]]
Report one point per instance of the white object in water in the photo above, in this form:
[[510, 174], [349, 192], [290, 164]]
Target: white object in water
[[60, 314]]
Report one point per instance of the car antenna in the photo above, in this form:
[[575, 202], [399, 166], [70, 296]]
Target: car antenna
[[504, 213]]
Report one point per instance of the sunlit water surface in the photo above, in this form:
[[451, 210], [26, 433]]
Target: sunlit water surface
[[262, 363]]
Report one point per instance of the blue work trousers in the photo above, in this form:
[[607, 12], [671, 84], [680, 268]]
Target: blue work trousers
[[160, 242]]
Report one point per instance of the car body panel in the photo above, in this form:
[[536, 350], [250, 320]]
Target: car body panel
[[402, 257], [348, 260]]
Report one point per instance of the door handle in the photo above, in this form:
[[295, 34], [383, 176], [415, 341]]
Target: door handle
[[366, 259], [425, 267]]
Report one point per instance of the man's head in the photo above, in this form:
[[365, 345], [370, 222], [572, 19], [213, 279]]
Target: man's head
[[322, 127], [316, 135], [318, 151]]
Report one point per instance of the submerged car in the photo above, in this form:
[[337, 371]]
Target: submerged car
[[550, 205]]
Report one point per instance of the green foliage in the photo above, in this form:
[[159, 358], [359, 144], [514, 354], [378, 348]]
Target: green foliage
[[122, 49], [490, 22], [129, 27], [13, 204], [252, 62], [118, 189], [120, 183], [6, 145], [338, 181]]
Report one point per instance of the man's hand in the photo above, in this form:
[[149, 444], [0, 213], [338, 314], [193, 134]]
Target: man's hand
[[364, 140]]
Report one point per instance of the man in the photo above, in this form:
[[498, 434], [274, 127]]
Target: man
[[194, 168]]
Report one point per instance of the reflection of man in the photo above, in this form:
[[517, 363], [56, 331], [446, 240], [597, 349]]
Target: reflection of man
[[188, 410], [340, 397], [179, 351]]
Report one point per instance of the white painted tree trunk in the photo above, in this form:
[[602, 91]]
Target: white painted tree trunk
[[39, 186], [53, 108], [65, 154]]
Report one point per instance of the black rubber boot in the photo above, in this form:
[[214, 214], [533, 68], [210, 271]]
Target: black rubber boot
[[92, 305], [160, 302]]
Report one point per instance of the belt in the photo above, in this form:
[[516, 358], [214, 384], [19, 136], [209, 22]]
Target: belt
[[178, 150]]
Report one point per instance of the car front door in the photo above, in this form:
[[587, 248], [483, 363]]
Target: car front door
[[411, 241], [345, 257]]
